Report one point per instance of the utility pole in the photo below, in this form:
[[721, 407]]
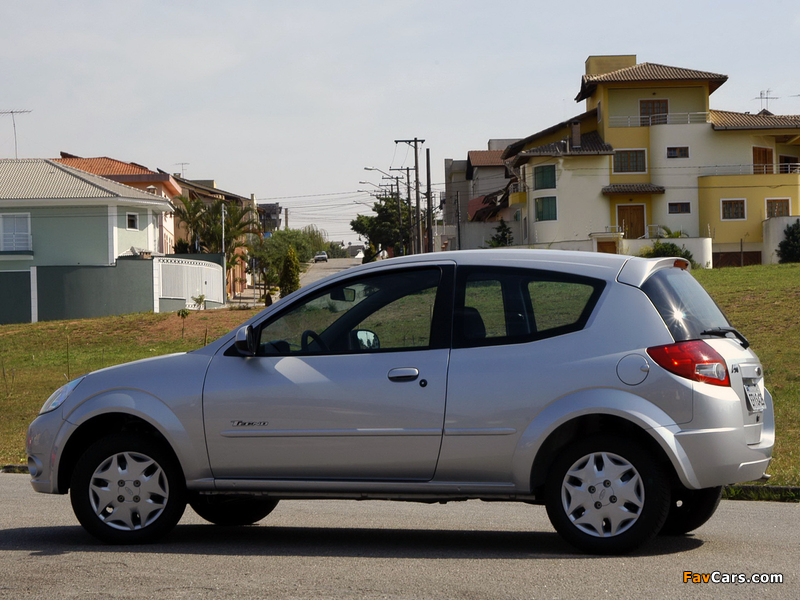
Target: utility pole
[[286, 218], [408, 201], [458, 221], [418, 226], [224, 262], [430, 200], [399, 214], [14, 123]]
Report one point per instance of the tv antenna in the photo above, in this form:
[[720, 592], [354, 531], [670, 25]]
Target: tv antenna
[[182, 165], [14, 122], [764, 96]]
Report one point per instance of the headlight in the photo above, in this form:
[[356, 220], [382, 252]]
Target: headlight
[[58, 397]]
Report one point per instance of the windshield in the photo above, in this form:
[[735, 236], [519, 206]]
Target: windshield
[[685, 306]]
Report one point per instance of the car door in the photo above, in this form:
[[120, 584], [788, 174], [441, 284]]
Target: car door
[[347, 383]]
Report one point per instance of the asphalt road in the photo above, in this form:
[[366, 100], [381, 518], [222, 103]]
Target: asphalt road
[[346, 549], [319, 270]]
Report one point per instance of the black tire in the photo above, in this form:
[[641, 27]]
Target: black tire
[[617, 505], [231, 511], [689, 509], [128, 489]]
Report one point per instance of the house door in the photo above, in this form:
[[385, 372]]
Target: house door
[[631, 220], [762, 160]]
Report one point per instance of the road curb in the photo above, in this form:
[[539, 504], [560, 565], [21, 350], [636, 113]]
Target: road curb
[[773, 493]]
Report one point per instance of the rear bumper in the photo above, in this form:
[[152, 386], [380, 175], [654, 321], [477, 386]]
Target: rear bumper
[[721, 457]]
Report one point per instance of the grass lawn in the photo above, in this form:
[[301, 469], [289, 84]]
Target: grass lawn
[[763, 302]]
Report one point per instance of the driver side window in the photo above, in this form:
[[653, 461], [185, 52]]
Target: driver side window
[[393, 311]]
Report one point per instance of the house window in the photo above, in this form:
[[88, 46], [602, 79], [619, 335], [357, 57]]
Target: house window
[[777, 207], [678, 152], [133, 221], [630, 161], [544, 177], [733, 210], [15, 232], [546, 208], [653, 112], [680, 208]]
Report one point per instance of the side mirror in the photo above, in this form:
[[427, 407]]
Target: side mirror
[[343, 294], [364, 339], [245, 341]]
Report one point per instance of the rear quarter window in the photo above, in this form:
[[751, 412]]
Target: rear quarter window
[[512, 306]]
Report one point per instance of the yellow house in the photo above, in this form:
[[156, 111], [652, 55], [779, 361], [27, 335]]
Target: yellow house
[[650, 156]]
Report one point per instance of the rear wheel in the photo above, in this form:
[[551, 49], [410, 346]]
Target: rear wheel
[[231, 510], [690, 509], [606, 496], [128, 489]]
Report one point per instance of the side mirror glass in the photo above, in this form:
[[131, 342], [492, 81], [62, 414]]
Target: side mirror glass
[[343, 294], [364, 339], [245, 341]]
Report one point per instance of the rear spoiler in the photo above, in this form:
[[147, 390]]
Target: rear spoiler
[[636, 272]]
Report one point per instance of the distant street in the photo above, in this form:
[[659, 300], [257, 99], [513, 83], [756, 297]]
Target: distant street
[[395, 550], [322, 269]]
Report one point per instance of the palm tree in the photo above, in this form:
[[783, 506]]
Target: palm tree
[[190, 213]]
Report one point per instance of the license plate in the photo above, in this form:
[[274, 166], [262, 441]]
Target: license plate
[[755, 398]]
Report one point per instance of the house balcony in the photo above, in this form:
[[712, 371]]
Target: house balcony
[[753, 169], [660, 119], [16, 243]]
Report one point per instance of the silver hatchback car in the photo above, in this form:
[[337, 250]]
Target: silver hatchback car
[[611, 389]]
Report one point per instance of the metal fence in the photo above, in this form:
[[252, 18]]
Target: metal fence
[[187, 279], [659, 119]]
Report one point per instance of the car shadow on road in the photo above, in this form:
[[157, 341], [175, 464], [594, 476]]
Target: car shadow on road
[[264, 540]]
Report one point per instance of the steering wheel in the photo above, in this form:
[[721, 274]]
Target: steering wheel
[[308, 334]]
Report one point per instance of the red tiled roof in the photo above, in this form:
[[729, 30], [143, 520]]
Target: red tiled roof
[[485, 158], [633, 188], [646, 72], [104, 166]]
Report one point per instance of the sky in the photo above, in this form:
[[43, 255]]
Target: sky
[[289, 100]]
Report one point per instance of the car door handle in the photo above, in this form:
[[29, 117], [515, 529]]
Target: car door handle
[[403, 374]]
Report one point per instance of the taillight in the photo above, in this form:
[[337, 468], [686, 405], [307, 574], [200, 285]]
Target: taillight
[[694, 360]]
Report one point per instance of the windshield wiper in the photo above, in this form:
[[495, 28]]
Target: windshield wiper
[[724, 331]]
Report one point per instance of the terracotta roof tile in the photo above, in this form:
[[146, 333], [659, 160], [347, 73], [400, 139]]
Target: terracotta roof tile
[[104, 166], [485, 158], [633, 188], [645, 72], [721, 119]]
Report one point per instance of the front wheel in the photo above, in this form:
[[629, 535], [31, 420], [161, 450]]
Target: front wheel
[[606, 496], [690, 509], [231, 511], [128, 489]]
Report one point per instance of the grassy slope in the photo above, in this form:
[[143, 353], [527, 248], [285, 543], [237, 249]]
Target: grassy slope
[[762, 302]]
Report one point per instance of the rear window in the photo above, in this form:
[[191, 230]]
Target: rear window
[[685, 306]]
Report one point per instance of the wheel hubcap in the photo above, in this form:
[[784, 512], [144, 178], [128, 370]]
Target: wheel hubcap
[[602, 494], [128, 491]]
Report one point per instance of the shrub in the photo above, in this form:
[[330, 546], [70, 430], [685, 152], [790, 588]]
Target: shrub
[[667, 249], [789, 248]]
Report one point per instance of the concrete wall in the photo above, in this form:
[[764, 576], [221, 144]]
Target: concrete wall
[[699, 247], [774, 229], [84, 292]]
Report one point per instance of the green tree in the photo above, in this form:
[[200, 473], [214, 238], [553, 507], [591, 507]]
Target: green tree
[[262, 262], [503, 236], [789, 247], [190, 213], [383, 230], [290, 273]]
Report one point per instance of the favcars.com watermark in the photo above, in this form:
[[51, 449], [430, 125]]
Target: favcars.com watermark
[[735, 578]]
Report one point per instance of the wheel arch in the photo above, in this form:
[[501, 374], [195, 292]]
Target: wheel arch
[[127, 410], [598, 411]]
